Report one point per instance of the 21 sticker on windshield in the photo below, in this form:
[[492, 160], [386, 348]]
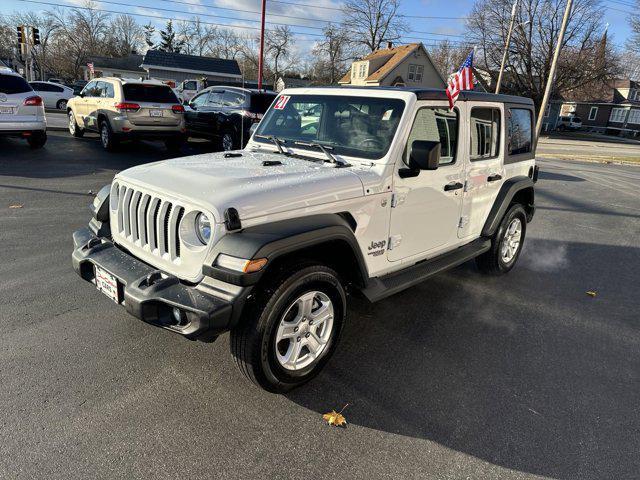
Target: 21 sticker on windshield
[[282, 102]]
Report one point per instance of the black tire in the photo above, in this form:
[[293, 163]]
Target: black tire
[[74, 128], [61, 105], [227, 142], [253, 341], [107, 137], [493, 262], [37, 140], [174, 145]]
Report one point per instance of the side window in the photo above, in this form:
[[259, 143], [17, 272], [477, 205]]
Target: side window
[[200, 100], [88, 89], [520, 132], [232, 99], [485, 133], [436, 125], [215, 98], [191, 85], [99, 89], [56, 89], [107, 90]]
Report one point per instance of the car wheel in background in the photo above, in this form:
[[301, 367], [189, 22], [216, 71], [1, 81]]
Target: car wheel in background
[[61, 105], [226, 142], [107, 138], [74, 128], [37, 139]]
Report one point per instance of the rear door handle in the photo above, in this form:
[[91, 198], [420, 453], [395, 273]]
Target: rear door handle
[[453, 186], [494, 178]]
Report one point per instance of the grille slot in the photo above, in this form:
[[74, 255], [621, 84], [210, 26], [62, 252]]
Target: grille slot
[[150, 222]]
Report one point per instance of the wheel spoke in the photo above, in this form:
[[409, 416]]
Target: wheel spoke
[[291, 358], [287, 330], [324, 313], [305, 303], [314, 344]]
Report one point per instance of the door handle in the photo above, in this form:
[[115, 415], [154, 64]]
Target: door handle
[[494, 178], [453, 186]]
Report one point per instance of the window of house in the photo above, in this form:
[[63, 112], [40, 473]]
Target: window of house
[[633, 94], [485, 133], [415, 72], [546, 111], [362, 70], [593, 112], [519, 131], [436, 125], [618, 115], [634, 117]]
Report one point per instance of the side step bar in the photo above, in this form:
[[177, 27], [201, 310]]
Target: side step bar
[[392, 283]]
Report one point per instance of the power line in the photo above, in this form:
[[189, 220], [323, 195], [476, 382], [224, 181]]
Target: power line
[[52, 4]]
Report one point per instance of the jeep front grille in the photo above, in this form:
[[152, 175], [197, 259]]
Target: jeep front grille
[[149, 222]]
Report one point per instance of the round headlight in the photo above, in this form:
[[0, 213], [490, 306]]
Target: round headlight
[[203, 228]]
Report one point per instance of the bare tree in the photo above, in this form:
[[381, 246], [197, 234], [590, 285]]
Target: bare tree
[[279, 48], [196, 36], [331, 53], [226, 44], [448, 57], [587, 58], [372, 22], [125, 35]]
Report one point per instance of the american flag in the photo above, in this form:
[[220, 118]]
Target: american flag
[[90, 65], [462, 80]]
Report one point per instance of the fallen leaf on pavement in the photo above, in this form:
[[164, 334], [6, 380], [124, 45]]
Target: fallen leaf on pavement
[[591, 293], [335, 418], [17, 205]]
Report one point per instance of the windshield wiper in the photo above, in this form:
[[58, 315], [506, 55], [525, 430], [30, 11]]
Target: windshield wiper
[[278, 142], [325, 149]]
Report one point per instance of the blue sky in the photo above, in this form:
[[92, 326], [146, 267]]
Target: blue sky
[[309, 19]]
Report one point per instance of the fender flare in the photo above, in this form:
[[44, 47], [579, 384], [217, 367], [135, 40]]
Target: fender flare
[[274, 240], [508, 190]]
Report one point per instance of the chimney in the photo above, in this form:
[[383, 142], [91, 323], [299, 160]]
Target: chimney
[[389, 45]]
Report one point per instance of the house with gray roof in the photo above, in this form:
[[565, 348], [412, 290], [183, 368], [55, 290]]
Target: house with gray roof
[[121, 67], [176, 67]]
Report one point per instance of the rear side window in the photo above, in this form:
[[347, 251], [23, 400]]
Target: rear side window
[[485, 133], [436, 125], [232, 99], [260, 102], [148, 93], [520, 132], [13, 84]]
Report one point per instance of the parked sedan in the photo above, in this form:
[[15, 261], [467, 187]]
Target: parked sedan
[[21, 110], [53, 94], [226, 114]]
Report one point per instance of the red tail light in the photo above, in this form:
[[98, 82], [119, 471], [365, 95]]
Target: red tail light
[[177, 108], [127, 107], [34, 101]]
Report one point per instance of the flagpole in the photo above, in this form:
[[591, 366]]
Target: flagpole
[[506, 47], [552, 71]]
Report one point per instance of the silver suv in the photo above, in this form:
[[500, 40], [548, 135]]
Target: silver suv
[[119, 109], [21, 110]]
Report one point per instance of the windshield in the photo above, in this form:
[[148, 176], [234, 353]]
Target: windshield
[[354, 126]]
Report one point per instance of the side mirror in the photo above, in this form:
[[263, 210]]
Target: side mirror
[[423, 155]]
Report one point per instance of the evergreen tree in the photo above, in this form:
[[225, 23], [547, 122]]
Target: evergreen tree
[[149, 31], [168, 40]]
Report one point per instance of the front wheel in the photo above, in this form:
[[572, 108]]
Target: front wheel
[[506, 243], [291, 330], [74, 128], [226, 142]]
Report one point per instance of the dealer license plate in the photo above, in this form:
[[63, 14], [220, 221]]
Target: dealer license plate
[[155, 113], [6, 110], [107, 284]]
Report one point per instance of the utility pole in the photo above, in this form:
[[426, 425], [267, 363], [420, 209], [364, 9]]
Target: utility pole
[[506, 47], [552, 71], [261, 57]]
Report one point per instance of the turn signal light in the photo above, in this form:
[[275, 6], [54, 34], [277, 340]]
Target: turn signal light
[[177, 108], [34, 101], [127, 107]]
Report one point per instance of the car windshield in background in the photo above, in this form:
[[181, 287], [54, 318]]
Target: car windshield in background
[[353, 126], [148, 93], [13, 84]]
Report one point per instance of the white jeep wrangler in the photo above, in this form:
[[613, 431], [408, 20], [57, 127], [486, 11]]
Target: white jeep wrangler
[[374, 191]]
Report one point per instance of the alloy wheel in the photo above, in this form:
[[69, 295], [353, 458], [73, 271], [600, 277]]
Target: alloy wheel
[[511, 240]]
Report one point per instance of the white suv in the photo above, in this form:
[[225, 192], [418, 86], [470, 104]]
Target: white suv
[[376, 191], [21, 110]]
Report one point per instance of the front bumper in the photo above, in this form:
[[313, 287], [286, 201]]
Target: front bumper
[[150, 295]]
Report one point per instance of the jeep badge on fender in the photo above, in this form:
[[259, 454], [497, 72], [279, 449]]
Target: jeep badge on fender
[[374, 189]]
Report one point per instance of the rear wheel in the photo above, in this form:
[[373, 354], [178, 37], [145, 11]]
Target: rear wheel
[[506, 243], [37, 140], [74, 128], [61, 105], [291, 330], [107, 138]]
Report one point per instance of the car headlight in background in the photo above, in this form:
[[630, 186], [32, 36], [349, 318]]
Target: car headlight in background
[[203, 228]]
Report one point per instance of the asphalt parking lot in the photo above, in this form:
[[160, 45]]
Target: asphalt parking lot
[[463, 376]]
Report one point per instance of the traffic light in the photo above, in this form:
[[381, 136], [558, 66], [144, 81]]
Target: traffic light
[[21, 35], [35, 36]]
